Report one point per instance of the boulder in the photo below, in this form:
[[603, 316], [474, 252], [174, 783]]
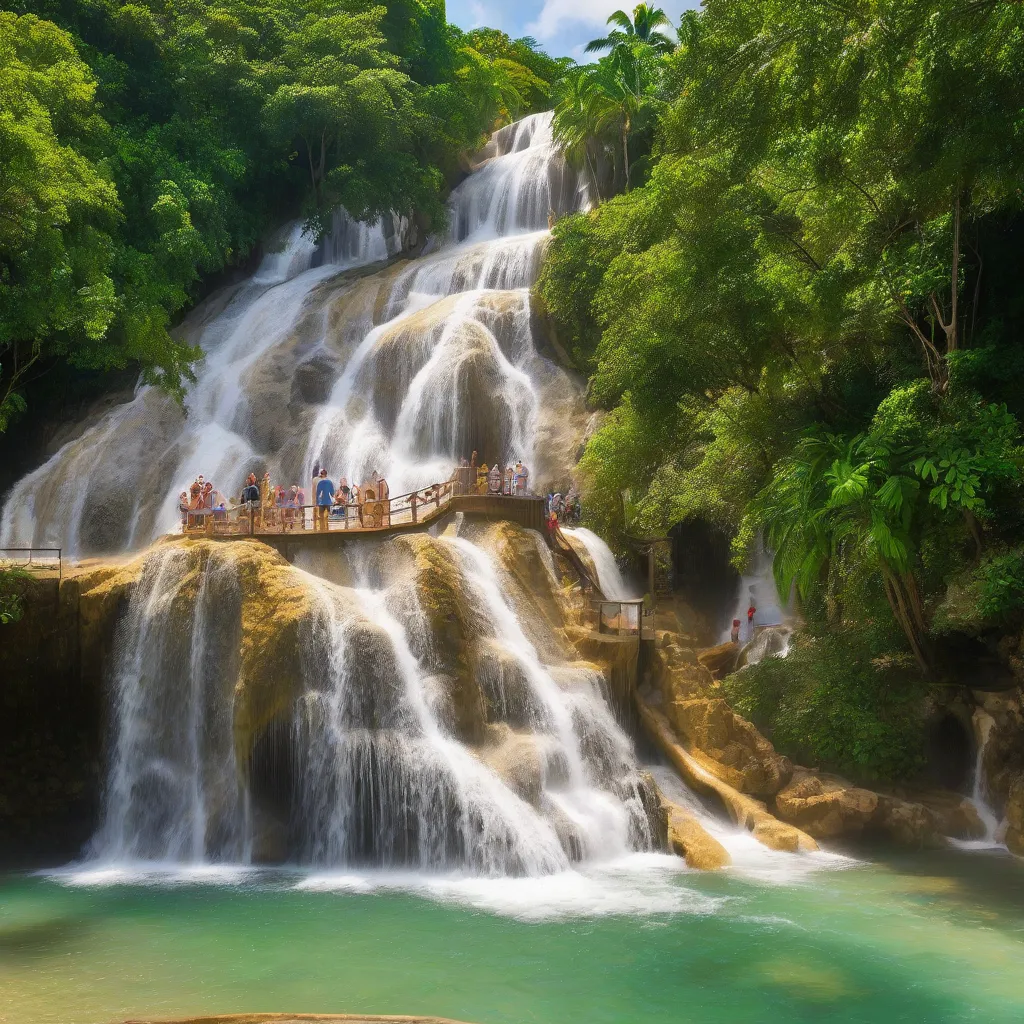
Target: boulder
[[712, 727], [720, 661], [688, 838], [744, 810], [825, 806], [907, 823], [830, 807], [957, 817]]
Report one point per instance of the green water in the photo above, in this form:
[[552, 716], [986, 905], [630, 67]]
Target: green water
[[921, 939]]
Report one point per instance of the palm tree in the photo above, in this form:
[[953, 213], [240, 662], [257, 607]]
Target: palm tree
[[579, 114], [641, 28]]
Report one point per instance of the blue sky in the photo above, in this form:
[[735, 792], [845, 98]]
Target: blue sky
[[562, 27]]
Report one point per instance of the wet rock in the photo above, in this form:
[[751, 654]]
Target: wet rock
[[1003, 758], [712, 727], [777, 835], [517, 760], [955, 815], [826, 806], [744, 810], [720, 661], [688, 838], [1015, 816], [453, 623]]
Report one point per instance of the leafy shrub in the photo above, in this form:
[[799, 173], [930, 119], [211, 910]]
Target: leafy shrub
[[830, 704], [12, 605], [1001, 580]]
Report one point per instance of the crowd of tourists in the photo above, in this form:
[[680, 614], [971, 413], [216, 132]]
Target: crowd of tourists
[[283, 506], [565, 508], [512, 480], [277, 506]]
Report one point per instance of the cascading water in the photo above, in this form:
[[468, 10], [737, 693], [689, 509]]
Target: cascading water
[[983, 723], [757, 589], [609, 575], [404, 371], [399, 703], [174, 791]]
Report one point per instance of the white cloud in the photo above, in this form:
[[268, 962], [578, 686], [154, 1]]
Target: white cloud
[[557, 15], [480, 14]]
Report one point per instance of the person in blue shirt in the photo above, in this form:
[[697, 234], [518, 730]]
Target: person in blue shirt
[[324, 497]]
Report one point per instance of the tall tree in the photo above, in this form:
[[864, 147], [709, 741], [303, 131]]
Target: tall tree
[[644, 27]]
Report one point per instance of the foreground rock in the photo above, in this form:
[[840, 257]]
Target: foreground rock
[[717, 751], [720, 660], [687, 838], [751, 814], [829, 807]]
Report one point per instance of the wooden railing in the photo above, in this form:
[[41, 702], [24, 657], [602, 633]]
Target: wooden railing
[[376, 514]]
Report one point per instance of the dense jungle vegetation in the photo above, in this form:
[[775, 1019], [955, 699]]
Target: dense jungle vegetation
[[803, 313], [797, 294], [146, 146]]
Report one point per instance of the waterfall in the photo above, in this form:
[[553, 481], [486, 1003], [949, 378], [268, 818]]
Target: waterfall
[[408, 702], [382, 782], [403, 371], [983, 723], [609, 575], [173, 791], [757, 588], [321, 716]]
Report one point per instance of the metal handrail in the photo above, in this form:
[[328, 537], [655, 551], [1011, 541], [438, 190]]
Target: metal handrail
[[30, 562]]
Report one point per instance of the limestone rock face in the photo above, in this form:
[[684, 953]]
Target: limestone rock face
[[720, 660], [712, 727], [825, 806], [1003, 761], [1015, 816], [689, 839], [453, 624], [677, 674], [517, 759]]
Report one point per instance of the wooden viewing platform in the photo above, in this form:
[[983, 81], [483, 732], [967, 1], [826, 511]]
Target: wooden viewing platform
[[287, 527]]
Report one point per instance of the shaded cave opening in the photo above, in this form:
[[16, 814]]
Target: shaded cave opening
[[704, 576]]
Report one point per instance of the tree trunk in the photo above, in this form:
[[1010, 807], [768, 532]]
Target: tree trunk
[[952, 332], [625, 150], [902, 595]]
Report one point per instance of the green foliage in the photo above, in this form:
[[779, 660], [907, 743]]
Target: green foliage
[[147, 146], [644, 27], [602, 106], [810, 302], [832, 703], [1002, 586], [12, 600]]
